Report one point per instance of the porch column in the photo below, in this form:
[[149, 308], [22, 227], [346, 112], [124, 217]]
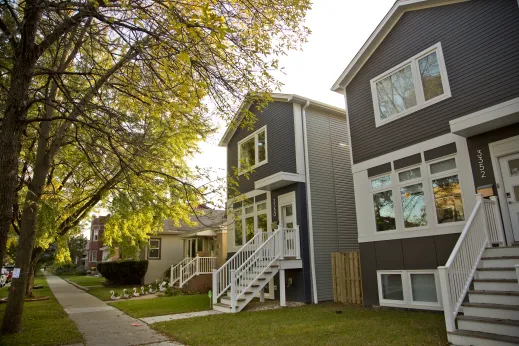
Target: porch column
[[282, 293], [262, 295]]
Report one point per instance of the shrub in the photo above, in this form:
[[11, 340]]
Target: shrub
[[81, 270], [123, 272], [63, 269]]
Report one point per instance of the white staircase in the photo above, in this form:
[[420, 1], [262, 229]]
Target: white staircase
[[480, 288], [245, 274], [188, 268]]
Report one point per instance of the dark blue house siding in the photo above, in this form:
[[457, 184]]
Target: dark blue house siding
[[281, 152], [480, 42]]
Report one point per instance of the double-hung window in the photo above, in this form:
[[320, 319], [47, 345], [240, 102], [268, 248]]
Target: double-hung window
[[446, 190], [414, 84], [383, 204], [252, 150], [154, 249]]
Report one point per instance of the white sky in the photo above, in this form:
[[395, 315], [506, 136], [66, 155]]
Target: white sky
[[339, 29]]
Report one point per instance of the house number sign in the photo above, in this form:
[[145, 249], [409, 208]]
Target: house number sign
[[481, 164], [274, 213]]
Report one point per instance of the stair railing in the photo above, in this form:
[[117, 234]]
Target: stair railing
[[197, 266], [175, 271], [458, 272], [222, 275], [496, 233]]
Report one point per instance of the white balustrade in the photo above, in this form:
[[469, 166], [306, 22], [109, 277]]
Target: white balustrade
[[458, 272], [175, 271], [196, 266], [496, 234]]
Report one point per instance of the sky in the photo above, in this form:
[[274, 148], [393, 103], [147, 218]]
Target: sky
[[339, 29]]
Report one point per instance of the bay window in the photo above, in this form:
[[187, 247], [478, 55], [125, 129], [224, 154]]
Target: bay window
[[252, 150], [412, 85]]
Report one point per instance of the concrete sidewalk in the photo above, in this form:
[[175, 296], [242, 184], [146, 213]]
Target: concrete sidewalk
[[100, 323]]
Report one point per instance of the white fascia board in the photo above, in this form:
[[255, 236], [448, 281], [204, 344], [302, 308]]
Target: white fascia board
[[381, 31], [487, 119], [279, 178]]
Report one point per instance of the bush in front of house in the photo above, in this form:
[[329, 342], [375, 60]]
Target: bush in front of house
[[123, 272]]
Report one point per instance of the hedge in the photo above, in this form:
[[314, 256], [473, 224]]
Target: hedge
[[123, 272]]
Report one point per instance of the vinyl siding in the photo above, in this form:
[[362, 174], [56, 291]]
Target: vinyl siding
[[480, 42], [281, 152], [331, 185]]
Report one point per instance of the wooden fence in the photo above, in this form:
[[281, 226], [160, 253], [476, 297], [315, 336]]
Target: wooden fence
[[347, 279]]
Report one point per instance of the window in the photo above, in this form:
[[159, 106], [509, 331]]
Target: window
[[412, 85], [249, 218], [199, 245], [409, 288], [410, 174], [94, 256], [154, 249], [96, 234], [413, 206], [384, 211], [252, 151], [381, 182], [446, 189]]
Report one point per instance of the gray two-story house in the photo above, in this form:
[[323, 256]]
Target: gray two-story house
[[432, 101], [294, 171]]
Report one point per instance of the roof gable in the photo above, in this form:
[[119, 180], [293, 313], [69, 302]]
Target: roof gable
[[385, 26]]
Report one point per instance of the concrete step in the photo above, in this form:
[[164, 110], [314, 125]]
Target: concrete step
[[489, 325], [494, 297], [501, 251], [499, 261], [222, 307], [505, 311], [496, 285], [496, 273], [470, 338]]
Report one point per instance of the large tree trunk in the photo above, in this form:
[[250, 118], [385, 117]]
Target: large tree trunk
[[36, 255]]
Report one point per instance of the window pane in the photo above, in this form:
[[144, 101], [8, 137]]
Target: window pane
[[423, 287], [262, 149], [238, 235], [154, 243], [288, 210], [247, 153], [392, 286], [290, 225], [261, 206], [396, 93], [414, 173], [200, 245], [431, 77], [384, 211], [413, 206], [443, 166], [513, 165], [447, 198], [249, 210], [249, 228], [154, 253], [381, 182], [262, 222]]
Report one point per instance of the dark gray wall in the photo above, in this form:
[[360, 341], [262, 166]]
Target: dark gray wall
[[480, 42], [333, 200], [281, 152], [479, 154], [401, 254]]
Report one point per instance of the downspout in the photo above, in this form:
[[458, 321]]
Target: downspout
[[309, 206]]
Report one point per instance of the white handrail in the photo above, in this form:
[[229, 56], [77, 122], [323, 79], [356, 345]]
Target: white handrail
[[175, 271], [458, 272], [496, 233], [221, 276], [197, 266]]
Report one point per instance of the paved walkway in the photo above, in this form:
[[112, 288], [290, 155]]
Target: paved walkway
[[163, 318], [100, 323]]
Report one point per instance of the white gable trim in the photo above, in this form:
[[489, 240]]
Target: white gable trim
[[380, 33]]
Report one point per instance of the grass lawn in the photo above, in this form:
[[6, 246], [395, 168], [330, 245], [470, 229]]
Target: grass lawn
[[163, 305], [44, 322], [311, 325], [84, 280]]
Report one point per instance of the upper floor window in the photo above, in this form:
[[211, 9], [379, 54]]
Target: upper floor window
[[414, 84], [252, 150], [96, 234]]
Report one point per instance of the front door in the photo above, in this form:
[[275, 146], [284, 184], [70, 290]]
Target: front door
[[287, 206], [510, 171]]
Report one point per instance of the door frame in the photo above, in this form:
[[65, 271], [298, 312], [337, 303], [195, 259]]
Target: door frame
[[286, 199], [499, 149]]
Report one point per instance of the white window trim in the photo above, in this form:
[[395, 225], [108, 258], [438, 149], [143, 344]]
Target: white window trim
[[451, 172], [154, 248], [420, 98], [408, 301], [411, 182], [254, 214], [256, 151]]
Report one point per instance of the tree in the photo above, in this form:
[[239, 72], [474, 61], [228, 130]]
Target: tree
[[103, 98], [76, 246]]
